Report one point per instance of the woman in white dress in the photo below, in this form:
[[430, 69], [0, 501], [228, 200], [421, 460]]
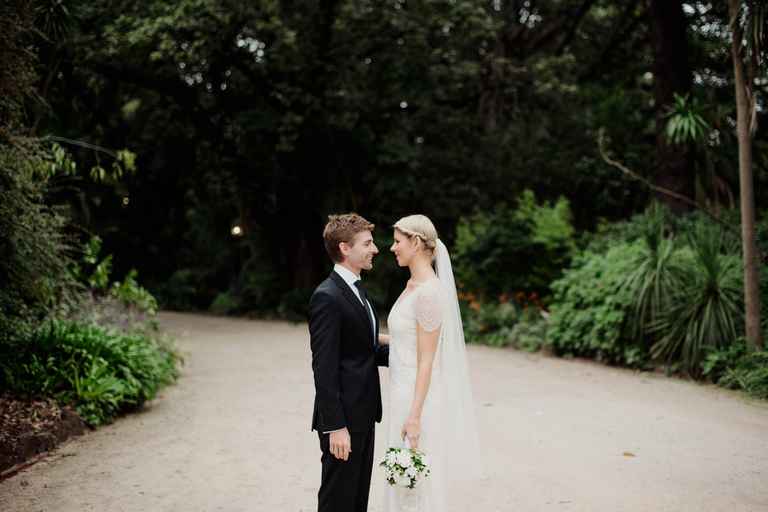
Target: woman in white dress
[[430, 400]]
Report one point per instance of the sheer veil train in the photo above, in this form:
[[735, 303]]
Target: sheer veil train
[[459, 441]]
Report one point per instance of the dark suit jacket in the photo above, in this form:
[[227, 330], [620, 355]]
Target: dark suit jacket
[[345, 359]]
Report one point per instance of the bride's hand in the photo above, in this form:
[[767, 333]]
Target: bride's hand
[[383, 339], [412, 430]]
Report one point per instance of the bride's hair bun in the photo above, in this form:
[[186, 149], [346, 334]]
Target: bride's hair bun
[[421, 227]]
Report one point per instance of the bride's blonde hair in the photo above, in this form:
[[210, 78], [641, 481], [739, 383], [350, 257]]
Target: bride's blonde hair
[[419, 226]]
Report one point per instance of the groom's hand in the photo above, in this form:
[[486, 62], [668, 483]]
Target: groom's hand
[[341, 444]]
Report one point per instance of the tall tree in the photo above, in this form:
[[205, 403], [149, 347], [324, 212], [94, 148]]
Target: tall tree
[[752, 15], [672, 76]]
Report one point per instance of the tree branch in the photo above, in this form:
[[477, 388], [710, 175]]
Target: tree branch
[[623, 168]]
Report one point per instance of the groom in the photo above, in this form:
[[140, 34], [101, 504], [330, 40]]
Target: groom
[[346, 355]]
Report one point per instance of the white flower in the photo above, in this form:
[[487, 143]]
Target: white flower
[[391, 457], [411, 472], [403, 480], [404, 459]]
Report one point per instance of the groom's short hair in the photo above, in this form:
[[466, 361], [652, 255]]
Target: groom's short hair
[[343, 228]]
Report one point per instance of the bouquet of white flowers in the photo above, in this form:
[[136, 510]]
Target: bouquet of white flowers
[[404, 467]]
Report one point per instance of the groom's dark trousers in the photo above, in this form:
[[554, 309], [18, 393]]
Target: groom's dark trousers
[[345, 485], [345, 360]]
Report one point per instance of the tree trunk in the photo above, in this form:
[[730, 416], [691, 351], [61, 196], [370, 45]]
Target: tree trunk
[[743, 114], [672, 75]]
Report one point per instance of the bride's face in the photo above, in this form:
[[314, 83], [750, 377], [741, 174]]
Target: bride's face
[[404, 248]]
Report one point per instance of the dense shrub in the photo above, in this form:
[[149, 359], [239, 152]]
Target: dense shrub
[[490, 323], [101, 371], [736, 368], [512, 249], [750, 374], [591, 306], [181, 291], [681, 298], [100, 350], [762, 245], [510, 322], [530, 333], [35, 254]]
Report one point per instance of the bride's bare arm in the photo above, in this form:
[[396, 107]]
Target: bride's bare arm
[[384, 339], [426, 346]]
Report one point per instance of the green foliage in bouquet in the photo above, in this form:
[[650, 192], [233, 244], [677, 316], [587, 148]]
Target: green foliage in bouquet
[[405, 467]]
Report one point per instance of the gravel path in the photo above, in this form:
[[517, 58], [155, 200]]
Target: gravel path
[[233, 435]]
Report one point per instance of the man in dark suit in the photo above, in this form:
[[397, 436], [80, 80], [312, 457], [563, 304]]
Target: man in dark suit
[[346, 354]]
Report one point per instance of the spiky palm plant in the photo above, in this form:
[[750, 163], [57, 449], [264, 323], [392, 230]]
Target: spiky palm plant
[[707, 310], [656, 279]]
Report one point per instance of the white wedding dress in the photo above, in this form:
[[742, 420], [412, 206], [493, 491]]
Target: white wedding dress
[[449, 436], [423, 305]]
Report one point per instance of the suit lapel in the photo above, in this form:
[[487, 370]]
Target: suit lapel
[[357, 304], [376, 326]]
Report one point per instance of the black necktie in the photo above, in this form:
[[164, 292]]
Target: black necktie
[[364, 296]]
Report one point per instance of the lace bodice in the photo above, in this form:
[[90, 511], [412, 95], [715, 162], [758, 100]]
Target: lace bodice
[[422, 306]]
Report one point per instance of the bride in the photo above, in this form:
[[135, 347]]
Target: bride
[[431, 405]]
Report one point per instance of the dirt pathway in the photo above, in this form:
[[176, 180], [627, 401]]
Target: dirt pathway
[[233, 435]]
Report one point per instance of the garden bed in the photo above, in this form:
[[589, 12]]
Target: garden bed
[[29, 428]]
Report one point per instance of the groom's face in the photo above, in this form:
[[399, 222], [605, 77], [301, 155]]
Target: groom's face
[[360, 252]]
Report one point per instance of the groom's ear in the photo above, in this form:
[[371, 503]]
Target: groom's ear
[[344, 248]]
